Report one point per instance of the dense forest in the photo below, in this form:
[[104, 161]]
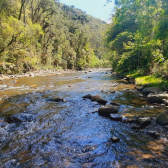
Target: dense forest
[[138, 37], [39, 34]]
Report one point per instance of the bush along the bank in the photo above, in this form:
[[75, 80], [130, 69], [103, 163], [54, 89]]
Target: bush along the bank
[[137, 37]]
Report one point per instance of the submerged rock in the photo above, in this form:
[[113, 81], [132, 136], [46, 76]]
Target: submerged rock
[[162, 118], [60, 100], [114, 103], [19, 117], [57, 99], [112, 91], [2, 123], [3, 134], [107, 110], [153, 134], [126, 120], [136, 127]]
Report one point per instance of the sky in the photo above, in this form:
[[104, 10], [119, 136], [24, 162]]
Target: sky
[[97, 8]]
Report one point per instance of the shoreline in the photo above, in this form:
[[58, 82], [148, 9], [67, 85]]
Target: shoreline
[[37, 73], [41, 73]]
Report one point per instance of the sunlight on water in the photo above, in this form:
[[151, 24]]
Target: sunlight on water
[[70, 133]]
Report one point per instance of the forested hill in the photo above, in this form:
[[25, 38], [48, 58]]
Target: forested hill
[[38, 34]]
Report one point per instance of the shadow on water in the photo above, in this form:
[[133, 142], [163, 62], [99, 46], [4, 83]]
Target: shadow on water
[[72, 134]]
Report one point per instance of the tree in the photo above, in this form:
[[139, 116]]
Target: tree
[[137, 35]]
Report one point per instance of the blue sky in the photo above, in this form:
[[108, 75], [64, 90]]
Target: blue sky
[[95, 8]]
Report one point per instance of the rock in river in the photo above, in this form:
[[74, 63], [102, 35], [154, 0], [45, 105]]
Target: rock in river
[[144, 121], [153, 134], [94, 98], [60, 100], [107, 110], [154, 99], [154, 90], [114, 103], [101, 101], [88, 96], [115, 139], [56, 99], [162, 118], [116, 117]]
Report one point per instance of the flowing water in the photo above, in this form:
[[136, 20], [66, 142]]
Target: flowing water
[[71, 134]]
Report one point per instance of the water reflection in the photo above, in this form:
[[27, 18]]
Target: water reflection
[[72, 134]]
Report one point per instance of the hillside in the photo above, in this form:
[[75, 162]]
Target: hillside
[[46, 34]]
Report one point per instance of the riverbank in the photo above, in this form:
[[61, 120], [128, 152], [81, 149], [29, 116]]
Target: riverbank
[[41, 73], [154, 89], [37, 73], [152, 80], [144, 80]]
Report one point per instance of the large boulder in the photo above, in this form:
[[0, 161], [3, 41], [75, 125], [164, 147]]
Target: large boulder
[[107, 110], [154, 90], [19, 117], [154, 99], [162, 118]]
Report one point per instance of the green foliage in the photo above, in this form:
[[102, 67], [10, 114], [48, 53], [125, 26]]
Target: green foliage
[[149, 80], [47, 34], [138, 35]]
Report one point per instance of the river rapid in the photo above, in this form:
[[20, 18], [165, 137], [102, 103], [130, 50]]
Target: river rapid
[[71, 134]]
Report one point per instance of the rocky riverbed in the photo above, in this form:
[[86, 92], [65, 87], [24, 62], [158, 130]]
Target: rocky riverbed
[[81, 119]]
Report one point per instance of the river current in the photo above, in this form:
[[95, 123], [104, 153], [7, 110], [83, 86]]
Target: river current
[[71, 134]]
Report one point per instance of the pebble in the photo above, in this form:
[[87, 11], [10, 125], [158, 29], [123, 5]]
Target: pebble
[[115, 139]]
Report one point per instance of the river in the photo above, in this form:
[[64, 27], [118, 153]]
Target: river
[[71, 134]]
